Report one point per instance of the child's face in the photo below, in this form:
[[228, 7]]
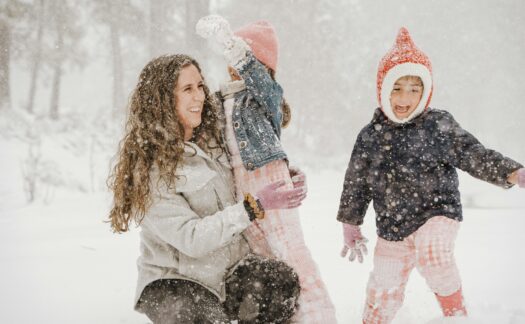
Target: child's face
[[405, 96]]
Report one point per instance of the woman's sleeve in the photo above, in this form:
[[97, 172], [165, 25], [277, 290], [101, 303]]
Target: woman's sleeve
[[172, 219], [468, 154], [357, 194]]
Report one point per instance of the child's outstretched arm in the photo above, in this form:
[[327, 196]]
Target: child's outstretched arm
[[469, 155]]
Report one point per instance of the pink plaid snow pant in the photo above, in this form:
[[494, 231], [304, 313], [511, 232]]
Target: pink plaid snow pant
[[430, 249], [280, 235]]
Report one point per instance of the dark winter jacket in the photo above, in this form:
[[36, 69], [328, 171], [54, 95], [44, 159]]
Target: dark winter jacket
[[257, 116], [409, 171]]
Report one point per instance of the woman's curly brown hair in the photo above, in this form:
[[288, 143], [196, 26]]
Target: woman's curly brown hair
[[154, 136]]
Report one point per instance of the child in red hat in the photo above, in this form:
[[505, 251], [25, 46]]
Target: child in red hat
[[405, 160], [255, 113]]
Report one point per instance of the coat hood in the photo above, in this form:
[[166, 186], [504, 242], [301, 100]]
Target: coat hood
[[404, 58]]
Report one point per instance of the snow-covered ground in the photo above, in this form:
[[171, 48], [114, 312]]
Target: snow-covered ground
[[61, 263]]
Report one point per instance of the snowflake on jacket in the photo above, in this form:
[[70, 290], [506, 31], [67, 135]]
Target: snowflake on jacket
[[409, 171]]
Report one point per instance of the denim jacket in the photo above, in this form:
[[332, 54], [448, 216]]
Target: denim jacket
[[257, 115]]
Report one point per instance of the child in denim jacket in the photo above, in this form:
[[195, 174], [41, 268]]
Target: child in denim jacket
[[405, 160], [255, 112]]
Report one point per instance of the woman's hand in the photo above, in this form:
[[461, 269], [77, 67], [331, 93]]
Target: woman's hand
[[270, 197]]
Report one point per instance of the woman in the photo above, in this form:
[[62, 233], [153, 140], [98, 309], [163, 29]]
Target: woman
[[173, 179]]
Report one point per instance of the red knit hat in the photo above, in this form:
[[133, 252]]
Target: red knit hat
[[403, 59], [262, 39]]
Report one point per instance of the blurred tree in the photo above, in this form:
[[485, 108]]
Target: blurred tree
[[5, 45], [11, 13], [122, 18], [164, 32], [57, 28], [194, 11], [155, 26], [39, 14], [66, 33]]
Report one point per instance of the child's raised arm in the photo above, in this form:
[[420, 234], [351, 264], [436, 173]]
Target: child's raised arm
[[259, 83]]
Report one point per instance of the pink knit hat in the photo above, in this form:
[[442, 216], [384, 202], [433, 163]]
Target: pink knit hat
[[404, 58], [262, 39]]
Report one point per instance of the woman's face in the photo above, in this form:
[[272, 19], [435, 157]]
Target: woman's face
[[189, 99]]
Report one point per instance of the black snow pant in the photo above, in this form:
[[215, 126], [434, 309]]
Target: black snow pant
[[260, 290]]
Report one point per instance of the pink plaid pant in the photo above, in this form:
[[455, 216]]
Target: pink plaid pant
[[280, 235], [430, 249]]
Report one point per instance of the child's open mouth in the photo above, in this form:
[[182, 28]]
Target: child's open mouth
[[401, 109]]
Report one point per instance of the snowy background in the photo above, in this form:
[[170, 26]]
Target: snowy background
[[68, 67]]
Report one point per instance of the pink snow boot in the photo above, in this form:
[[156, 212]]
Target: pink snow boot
[[452, 305]]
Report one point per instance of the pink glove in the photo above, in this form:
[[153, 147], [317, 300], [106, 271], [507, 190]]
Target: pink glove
[[271, 198], [355, 242], [298, 177], [521, 177]]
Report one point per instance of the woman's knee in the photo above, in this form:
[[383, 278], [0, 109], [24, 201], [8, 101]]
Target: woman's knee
[[280, 291], [180, 301], [263, 290]]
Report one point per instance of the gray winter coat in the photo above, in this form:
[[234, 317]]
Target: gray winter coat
[[193, 231], [409, 171]]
